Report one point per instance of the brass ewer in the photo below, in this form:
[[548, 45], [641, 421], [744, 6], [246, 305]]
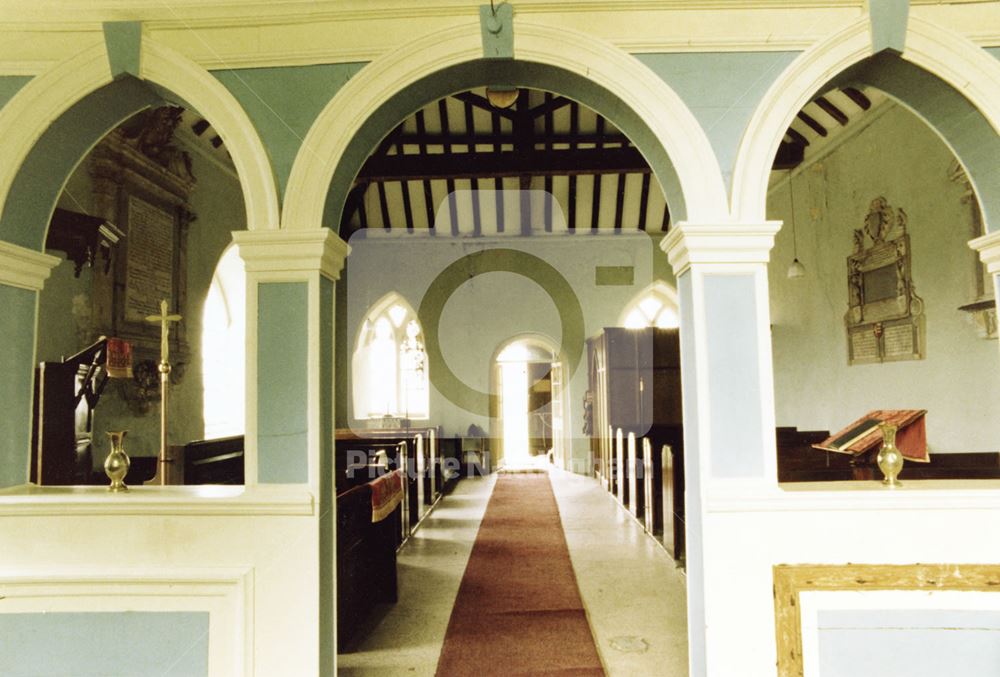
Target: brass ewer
[[117, 463], [889, 459]]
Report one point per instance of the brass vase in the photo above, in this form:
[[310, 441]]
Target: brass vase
[[117, 463], [889, 459]]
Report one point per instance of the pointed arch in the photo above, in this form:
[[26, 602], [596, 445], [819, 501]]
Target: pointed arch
[[389, 368], [964, 81], [655, 306]]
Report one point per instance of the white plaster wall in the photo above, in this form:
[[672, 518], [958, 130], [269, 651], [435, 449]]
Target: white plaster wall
[[901, 158], [492, 308], [747, 533]]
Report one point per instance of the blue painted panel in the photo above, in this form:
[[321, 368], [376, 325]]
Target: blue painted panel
[[733, 375], [170, 644], [889, 19], [11, 85], [284, 102], [282, 367], [328, 517], [911, 642], [722, 90], [17, 358], [694, 547], [123, 41], [995, 51]]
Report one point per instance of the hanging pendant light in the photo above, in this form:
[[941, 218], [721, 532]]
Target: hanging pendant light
[[796, 269]]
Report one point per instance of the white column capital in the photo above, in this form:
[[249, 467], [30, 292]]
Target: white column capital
[[25, 268], [988, 247], [292, 251], [689, 243]]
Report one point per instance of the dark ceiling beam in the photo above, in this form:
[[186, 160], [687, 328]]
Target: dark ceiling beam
[[477, 220], [547, 112], [497, 181], [484, 103], [524, 135], [428, 195], [790, 156], [200, 127], [450, 183], [485, 138], [859, 99], [797, 137], [595, 204], [551, 104], [832, 111], [809, 120], [643, 202], [500, 165], [574, 127], [384, 206]]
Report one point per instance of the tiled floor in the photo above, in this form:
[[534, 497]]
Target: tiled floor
[[634, 595]]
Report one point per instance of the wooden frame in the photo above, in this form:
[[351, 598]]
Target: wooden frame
[[790, 580]]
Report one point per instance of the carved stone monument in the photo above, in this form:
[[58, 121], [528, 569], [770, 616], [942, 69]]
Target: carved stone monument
[[142, 183], [885, 317]]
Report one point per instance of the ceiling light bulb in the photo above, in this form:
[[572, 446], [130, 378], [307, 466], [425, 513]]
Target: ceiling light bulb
[[796, 270], [501, 97]]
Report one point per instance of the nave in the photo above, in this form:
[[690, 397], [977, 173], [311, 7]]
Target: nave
[[639, 627]]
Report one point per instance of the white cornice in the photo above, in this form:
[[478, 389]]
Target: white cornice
[[292, 251], [689, 244], [25, 268], [988, 247], [30, 499]]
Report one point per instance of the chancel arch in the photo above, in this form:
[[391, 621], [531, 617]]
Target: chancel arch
[[373, 102]]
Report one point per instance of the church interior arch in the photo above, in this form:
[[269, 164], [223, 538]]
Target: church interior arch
[[885, 153], [160, 197]]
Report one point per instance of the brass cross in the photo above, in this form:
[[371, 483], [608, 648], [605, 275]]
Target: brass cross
[[164, 321]]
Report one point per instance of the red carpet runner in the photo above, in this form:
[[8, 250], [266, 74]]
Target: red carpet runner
[[518, 610]]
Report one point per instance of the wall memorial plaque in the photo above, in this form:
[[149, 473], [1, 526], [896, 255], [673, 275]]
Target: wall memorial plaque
[[885, 317], [142, 183]]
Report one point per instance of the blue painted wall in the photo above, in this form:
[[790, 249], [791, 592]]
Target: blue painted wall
[[16, 366], [284, 102], [167, 644], [730, 316], [282, 371], [722, 90], [915, 643], [328, 517], [10, 85]]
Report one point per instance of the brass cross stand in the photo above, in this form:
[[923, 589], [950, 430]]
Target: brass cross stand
[[164, 368]]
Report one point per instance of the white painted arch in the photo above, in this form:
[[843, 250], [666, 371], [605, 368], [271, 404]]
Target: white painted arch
[[47, 96], [947, 55], [670, 121]]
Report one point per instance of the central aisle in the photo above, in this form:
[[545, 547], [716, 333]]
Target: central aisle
[[518, 609], [632, 591]]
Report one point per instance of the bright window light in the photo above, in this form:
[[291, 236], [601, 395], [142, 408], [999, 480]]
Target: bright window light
[[656, 306], [389, 367], [223, 348]]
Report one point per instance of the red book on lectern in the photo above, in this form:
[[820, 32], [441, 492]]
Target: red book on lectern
[[863, 435]]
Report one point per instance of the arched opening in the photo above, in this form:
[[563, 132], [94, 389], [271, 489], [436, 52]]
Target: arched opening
[[880, 311], [49, 127], [389, 367], [223, 349], [530, 418], [538, 220]]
